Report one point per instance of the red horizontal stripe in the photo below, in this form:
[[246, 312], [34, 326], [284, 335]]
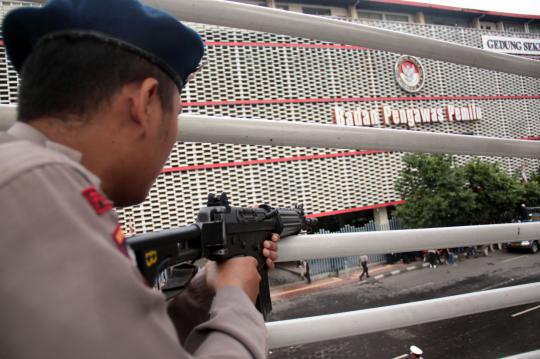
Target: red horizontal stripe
[[357, 209], [358, 99], [531, 138], [279, 44], [270, 160]]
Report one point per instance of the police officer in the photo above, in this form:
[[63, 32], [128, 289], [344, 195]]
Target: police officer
[[98, 104]]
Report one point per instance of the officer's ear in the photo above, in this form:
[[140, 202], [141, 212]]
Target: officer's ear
[[146, 106]]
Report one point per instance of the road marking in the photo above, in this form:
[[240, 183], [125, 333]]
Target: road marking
[[513, 259], [394, 272], [401, 356], [525, 311]]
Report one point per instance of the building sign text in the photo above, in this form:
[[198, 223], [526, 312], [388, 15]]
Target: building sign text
[[511, 45], [410, 117]]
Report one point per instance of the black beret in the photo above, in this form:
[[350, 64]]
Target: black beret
[[149, 32]]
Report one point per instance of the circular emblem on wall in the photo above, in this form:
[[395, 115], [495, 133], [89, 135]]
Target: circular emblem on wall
[[409, 73]]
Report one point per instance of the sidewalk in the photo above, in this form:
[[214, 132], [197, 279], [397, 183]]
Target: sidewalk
[[377, 272]]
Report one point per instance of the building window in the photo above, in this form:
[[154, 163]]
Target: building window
[[486, 25], [392, 17], [251, 2], [514, 26], [317, 11], [373, 15], [534, 28], [447, 20], [282, 7], [370, 15]]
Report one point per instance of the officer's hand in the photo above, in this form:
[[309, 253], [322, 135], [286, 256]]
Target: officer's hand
[[237, 272], [270, 251]]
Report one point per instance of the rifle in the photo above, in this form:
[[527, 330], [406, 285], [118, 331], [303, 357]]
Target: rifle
[[220, 232]]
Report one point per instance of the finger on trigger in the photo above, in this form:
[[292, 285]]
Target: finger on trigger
[[270, 245]]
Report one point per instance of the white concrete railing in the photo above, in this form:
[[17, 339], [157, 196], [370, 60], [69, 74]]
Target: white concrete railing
[[326, 327], [349, 244], [535, 354], [194, 128], [257, 18]]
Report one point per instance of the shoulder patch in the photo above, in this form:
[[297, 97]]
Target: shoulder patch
[[99, 202]]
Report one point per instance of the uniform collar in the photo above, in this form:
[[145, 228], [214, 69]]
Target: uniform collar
[[26, 132]]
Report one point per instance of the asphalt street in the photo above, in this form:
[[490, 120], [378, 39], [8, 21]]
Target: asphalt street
[[492, 334]]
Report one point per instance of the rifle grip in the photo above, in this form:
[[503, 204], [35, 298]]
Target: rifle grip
[[264, 302]]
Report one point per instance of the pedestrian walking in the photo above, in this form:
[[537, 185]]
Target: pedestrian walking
[[432, 258], [485, 250], [451, 257], [304, 270], [472, 252], [439, 256], [307, 275], [363, 263]]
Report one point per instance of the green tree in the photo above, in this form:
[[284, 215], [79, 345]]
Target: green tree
[[531, 190], [531, 193], [441, 194], [497, 195], [535, 176], [436, 192]]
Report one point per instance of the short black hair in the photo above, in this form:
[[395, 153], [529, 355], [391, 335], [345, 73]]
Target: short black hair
[[69, 78]]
